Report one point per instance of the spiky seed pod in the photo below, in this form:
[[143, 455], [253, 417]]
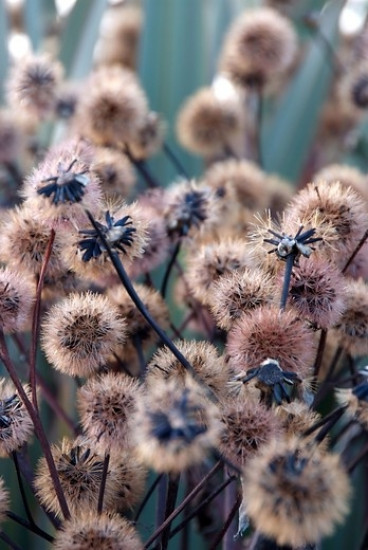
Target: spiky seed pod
[[295, 493], [350, 176], [352, 327], [24, 241], [16, 298], [132, 477], [80, 470], [191, 209], [247, 426], [261, 230], [245, 177], [4, 500], [296, 417], [113, 107], [106, 405], [260, 45], [88, 530], [336, 212], [204, 358], [124, 227], [208, 125], [80, 332], [356, 400], [268, 332], [120, 31], [114, 171], [16, 426], [239, 292], [176, 427], [149, 137], [10, 137], [317, 291], [33, 85], [211, 262], [136, 325]]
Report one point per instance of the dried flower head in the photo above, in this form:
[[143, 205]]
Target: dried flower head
[[269, 332], [247, 426], [64, 185], [346, 175], [4, 500], [16, 426], [24, 241], [80, 470], [175, 427], [294, 493], [204, 358], [113, 107], [336, 212], [213, 261], [191, 208], [296, 417], [238, 292], [16, 298], [33, 85], [260, 45], [352, 327], [80, 332], [87, 530], [317, 291], [114, 171], [106, 405], [149, 137], [208, 125]]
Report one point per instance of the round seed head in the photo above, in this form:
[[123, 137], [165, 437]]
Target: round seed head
[[16, 299], [16, 426]]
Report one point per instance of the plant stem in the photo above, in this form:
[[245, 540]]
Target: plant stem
[[358, 247], [22, 489], [169, 268], [354, 463], [9, 542], [101, 494], [227, 523], [175, 160], [172, 493], [287, 278], [147, 496], [320, 352], [31, 526]]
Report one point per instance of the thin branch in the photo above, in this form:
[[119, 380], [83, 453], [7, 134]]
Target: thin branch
[[169, 267], [31, 526], [227, 523], [101, 493], [147, 497]]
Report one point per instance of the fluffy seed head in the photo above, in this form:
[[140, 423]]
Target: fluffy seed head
[[296, 417], [87, 530], [106, 405], [175, 427], [149, 137], [317, 291], [352, 327], [295, 493], [16, 299], [269, 332], [80, 332], [260, 45], [16, 426], [33, 85], [10, 137], [356, 399], [112, 108], [207, 125], [239, 292], [114, 171], [349, 176]]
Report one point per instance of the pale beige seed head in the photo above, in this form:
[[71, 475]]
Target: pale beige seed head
[[17, 294], [349, 176], [114, 171], [16, 426]]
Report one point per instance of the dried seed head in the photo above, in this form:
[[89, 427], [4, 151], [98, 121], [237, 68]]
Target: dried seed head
[[175, 427], [113, 107], [336, 212], [106, 405], [317, 291], [114, 171], [16, 299], [247, 426], [208, 125], [269, 332], [296, 417], [239, 292], [260, 45], [346, 175], [80, 470], [33, 85], [16, 426], [80, 332], [352, 327], [295, 493], [132, 478], [353, 87], [149, 137], [87, 530], [212, 262], [63, 185], [203, 356]]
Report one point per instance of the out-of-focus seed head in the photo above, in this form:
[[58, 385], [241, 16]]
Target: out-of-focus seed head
[[80, 332], [33, 85], [350, 176], [149, 137], [17, 294], [176, 427], [356, 401], [210, 126], [296, 417], [295, 493], [16, 426], [260, 45], [87, 530], [269, 332], [10, 137], [112, 108], [114, 171], [106, 405]]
